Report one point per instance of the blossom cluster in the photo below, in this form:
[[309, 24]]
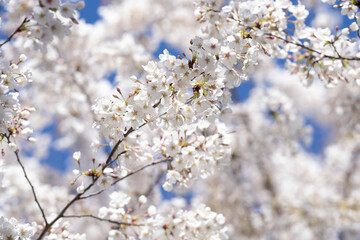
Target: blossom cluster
[[283, 191], [164, 223], [43, 20], [14, 117], [12, 229], [266, 26], [60, 231], [171, 124], [171, 98]]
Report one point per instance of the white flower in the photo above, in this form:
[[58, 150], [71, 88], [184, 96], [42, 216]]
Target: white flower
[[228, 57], [12, 146], [353, 27], [77, 156], [80, 189], [119, 200], [58, 29], [116, 235], [67, 10], [220, 219], [22, 58], [105, 182], [167, 186], [345, 31], [172, 176], [42, 15], [151, 210], [212, 45], [142, 199]]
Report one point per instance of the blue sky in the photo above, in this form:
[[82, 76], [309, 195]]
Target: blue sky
[[89, 12]]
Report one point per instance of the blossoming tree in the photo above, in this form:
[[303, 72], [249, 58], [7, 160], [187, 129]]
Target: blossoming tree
[[140, 127]]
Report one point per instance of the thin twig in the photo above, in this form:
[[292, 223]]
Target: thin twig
[[31, 185], [128, 175], [102, 219], [61, 214], [116, 158], [313, 50], [108, 160], [79, 195], [142, 168], [18, 29], [93, 194]]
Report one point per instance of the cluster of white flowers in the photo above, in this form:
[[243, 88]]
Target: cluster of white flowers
[[60, 231], [348, 7], [173, 20], [176, 113], [14, 117], [266, 123], [43, 21], [347, 110], [51, 19], [265, 25], [175, 94], [12, 229], [164, 223]]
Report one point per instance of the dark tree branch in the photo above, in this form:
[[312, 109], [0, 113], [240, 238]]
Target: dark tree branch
[[93, 194], [18, 29], [168, 159], [103, 220], [61, 214], [313, 50], [95, 178], [31, 185]]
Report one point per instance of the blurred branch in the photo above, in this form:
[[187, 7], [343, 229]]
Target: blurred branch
[[151, 188], [349, 173]]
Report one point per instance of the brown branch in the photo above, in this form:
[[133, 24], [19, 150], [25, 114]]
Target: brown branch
[[129, 174], [93, 194], [79, 195], [313, 50], [32, 186], [103, 220], [168, 159], [18, 29], [61, 214], [108, 160]]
